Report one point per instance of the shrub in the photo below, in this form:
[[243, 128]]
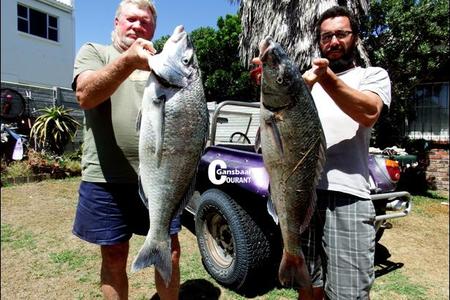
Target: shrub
[[17, 169], [54, 128]]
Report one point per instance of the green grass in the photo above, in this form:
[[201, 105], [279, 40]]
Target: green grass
[[396, 283], [43, 256], [72, 259], [16, 238]]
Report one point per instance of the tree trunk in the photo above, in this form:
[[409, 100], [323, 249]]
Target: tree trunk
[[290, 23]]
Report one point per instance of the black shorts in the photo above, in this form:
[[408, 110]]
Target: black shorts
[[109, 214]]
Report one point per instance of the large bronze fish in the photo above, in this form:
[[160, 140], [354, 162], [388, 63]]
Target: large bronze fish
[[293, 148]]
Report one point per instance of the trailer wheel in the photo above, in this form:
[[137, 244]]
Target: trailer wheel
[[233, 247]]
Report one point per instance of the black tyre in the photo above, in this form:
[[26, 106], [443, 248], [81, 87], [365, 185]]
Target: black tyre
[[235, 249], [12, 104]]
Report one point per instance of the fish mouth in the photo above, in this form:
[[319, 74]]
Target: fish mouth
[[178, 33], [264, 47]]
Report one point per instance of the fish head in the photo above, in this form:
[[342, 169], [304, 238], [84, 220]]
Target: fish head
[[176, 64], [280, 76]]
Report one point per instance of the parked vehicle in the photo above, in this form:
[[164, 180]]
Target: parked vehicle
[[239, 241], [16, 121]]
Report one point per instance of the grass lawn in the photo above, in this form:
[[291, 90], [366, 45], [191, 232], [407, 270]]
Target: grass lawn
[[41, 259]]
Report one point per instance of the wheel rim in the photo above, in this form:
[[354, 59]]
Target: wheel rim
[[219, 240]]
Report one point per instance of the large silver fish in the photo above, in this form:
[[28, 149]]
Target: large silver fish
[[173, 128], [293, 148]]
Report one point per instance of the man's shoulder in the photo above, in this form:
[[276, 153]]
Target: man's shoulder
[[96, 47], [371, 70]]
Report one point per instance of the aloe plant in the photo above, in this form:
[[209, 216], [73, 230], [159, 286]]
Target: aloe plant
[[54, 128]]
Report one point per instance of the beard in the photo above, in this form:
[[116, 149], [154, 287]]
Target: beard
[[345, 62], [123, 42]]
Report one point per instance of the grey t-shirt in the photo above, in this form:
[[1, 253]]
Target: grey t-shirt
[[110, 147], [346, 169]]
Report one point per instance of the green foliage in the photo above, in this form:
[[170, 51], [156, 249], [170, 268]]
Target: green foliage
[[223, 75], [410, 40], [43, 163], [54, 128], [159, 43], [17, 169]]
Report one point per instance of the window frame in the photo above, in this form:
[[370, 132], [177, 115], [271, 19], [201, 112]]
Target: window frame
[[48, 28], [430, 107]]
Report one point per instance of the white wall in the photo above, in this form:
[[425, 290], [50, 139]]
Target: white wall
[[33, 60]]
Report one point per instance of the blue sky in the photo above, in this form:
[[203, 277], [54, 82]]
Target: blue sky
[[94, 18]]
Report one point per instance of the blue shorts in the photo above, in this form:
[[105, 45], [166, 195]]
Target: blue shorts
[[109, 214]]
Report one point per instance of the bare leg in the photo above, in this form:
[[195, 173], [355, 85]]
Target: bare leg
[[113, 275], [172, 291]]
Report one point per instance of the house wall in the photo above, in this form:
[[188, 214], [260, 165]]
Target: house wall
[[28, 59]]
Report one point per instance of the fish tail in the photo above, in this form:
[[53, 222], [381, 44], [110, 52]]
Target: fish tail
[[293, 271], [157, 254]]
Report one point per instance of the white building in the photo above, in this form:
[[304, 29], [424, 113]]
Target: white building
[[37, 42]]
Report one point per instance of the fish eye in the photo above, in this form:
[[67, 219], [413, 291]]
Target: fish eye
[[279, 80], [186, 60]]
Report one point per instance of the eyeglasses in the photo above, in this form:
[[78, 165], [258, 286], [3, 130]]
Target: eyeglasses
[[339, 34]]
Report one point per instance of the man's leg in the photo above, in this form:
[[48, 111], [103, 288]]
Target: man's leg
[[113, 275], [172, 291]]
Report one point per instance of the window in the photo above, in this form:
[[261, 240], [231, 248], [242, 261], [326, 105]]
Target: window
[[37, 23], [430, 120]]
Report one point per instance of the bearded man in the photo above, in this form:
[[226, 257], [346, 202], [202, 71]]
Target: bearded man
[[340, 241]]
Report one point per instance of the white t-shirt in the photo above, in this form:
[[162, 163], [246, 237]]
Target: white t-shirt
[[346, 169]]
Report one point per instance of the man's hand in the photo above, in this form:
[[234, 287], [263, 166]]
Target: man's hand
[[318, 69], [95, 87], [256, 73], [138, 53]]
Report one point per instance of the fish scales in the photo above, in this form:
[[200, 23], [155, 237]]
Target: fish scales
[[173, 128], [293, 149]]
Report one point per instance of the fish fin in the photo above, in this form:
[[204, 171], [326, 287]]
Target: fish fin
[[141, 192], [271, 209], [321, 159], [293, 271], [138, 121], [155, 253], [258, 140], [160, 103], [276, 135]]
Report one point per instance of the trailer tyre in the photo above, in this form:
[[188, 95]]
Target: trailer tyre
[[233, 247]]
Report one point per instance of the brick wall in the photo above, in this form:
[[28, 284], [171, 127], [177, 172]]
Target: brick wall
[[438, 169]]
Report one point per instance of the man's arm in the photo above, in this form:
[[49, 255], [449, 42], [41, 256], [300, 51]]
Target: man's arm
[[95, 87], [362, 106]]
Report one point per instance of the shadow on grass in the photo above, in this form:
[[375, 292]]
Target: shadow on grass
[[196, 289], [384, 266]]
